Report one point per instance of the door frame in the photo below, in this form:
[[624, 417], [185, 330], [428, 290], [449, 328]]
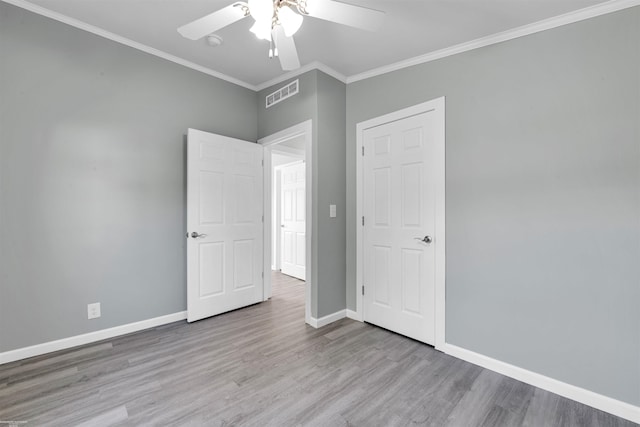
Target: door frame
[[269, 143], [438, 106]]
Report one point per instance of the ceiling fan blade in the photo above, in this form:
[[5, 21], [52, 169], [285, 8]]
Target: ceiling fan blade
[[286, 49], [213, 22], [346, 14]]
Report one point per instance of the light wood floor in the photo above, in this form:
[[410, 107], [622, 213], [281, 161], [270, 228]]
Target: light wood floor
[[263, 366]]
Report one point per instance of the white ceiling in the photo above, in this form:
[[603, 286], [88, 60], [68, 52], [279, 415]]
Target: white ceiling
[[412, 28]]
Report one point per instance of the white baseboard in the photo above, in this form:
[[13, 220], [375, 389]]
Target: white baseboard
[[590, 398], [48, 347], [319, 323], [354, 315]]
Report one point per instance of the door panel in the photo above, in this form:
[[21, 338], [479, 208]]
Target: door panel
[[287, 255], [243, 264], [300, 204], [293, 220], [411, 194], [244, 212], [300, 250], [411, 279], [211, 268], [398, 203], [211, 200], [224, 208], [381, 288], [382, 196]]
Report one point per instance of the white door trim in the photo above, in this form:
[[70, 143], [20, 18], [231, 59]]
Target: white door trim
[[303, 129], [438, 107]]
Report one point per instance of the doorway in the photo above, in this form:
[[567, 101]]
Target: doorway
[[286, 148]]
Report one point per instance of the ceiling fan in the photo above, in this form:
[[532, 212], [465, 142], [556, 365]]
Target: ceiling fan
[[278, 20]]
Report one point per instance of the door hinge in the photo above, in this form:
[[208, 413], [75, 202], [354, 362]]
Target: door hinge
[[362, 289], [363, 150], [263, 274], [362, 221], [262, 218], [262, 162]]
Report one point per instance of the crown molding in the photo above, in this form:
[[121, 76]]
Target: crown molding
[[525, 30], [315, 65], [169, 57], [125, 41]]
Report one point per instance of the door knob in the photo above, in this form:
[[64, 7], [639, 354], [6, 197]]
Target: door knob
[[425, 239], [195, 235]]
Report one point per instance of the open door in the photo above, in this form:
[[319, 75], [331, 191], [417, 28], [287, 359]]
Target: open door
[[224, 224], [293, 217]]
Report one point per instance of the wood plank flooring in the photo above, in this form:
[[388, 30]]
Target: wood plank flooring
[[262, 366]]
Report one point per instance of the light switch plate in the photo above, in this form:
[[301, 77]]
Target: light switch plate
[[332, 211]]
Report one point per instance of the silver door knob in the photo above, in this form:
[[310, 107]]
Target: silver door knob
[[425, 239], [195, 235]]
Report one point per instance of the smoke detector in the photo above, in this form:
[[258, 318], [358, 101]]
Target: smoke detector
[[214, 40]]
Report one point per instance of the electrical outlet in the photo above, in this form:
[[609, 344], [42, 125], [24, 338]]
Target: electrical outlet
[[93, 310]]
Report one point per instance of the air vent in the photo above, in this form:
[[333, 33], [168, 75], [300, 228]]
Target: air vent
[[282, 93]]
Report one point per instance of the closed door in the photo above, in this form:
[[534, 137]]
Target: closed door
[[293, 220], [224, 223], [398, 203]]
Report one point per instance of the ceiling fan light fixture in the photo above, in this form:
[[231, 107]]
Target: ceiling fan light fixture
[[261, 10], [276, 21], [262, 30], [289, 20]]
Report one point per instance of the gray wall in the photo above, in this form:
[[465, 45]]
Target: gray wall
[[543, 197], [331, 190], [92, 177], [322, 100], [283, 115]]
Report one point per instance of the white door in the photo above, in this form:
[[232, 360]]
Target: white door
[[224, 223], [398, 203], [293, 220]]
